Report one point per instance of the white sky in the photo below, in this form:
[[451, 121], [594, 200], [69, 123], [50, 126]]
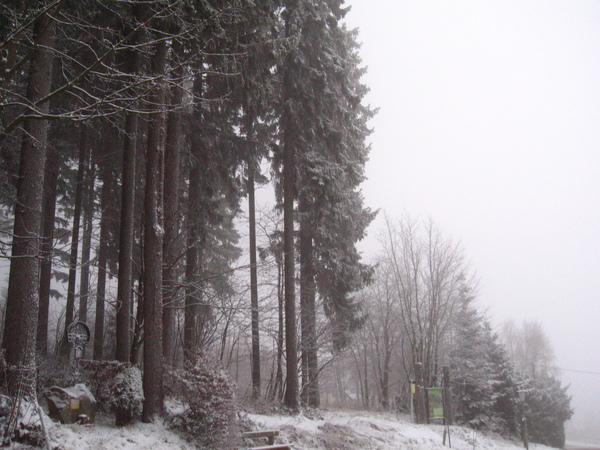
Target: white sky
[[489, 123]]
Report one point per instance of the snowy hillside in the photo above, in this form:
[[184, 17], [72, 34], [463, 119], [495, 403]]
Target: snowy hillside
[[331, 429], [369, 430]]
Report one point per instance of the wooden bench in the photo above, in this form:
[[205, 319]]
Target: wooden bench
[[273, 447], [270, 436]]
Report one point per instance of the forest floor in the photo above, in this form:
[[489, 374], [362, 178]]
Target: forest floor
[[312, 430]]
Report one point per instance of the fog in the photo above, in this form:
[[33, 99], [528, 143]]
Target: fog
[[489, 123]]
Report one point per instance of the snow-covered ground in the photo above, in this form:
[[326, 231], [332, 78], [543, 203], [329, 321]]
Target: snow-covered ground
[[103, 435], [323, 430], [369, 430]]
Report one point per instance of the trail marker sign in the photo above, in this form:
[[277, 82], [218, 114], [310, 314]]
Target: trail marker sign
[[435, 403]]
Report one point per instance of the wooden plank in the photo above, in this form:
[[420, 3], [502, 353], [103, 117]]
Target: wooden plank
[[269, 434], [274, 447], [260, 434]]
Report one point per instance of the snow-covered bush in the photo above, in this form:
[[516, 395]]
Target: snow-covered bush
[[54, 371], [207, 393], [116, 386], [126, 396]]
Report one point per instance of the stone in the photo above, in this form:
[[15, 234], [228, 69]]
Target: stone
[[68, 404]]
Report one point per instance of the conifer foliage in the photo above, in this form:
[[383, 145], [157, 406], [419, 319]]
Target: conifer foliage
[[324, 126], [484, 386], [547, 408], [177, 106]]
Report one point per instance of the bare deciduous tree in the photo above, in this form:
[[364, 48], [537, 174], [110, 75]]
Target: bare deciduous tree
[[529, 348], [428, 272]]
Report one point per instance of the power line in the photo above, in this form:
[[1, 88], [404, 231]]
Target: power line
[[577, 371]]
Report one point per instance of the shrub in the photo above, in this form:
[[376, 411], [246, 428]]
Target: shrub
[[126, 396], [207, 393], [100, 377]]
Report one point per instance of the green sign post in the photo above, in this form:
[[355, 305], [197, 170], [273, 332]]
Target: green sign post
[[435, 403]]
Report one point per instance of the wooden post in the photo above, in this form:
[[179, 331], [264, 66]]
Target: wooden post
[[420, 392], [522, 398], [448, 416]]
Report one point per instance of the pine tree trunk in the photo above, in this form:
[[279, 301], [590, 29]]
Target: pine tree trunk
[[136, 306], [278, 378], [192, 269], [65, 346], [253, 288], [170, 250], [126, 239], [19, 340], [305, 286], [307, 312], [49, 214], [291, 399], [102, 252], [153, 247], [88, 217], [126, 232], [137, 336], [193, 250]]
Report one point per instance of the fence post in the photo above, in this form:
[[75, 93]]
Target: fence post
[[448, 415]]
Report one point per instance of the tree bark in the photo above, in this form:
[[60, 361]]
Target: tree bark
[[194, 241], [308, 317], [276, 388], [65, 347], [190, 328], [22, 305], [291, 399], [49, 214], [126, 232], [88, 217], [170, 250], [253, 288], [153, 246], [102, 252], [385, 378]]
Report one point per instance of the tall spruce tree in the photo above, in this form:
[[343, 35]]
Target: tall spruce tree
[[325, 127], [214, 189], [255, 92], [291, 144], [153, 240], [19, 340], [132, 65], [172, 218]]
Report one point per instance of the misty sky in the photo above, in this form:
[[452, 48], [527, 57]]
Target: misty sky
[[489, 123]]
